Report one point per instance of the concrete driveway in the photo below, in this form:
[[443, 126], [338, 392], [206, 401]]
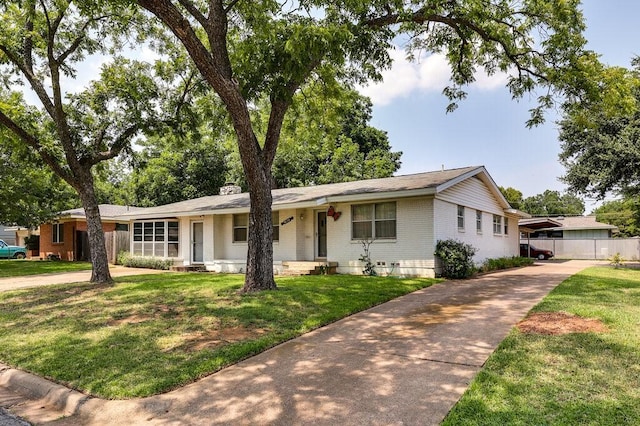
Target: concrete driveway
[[405, 362], [14, 283]]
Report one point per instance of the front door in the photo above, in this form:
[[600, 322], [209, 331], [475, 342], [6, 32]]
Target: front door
[[322, 233], [197, 239]]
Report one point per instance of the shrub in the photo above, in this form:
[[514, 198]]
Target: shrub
[[32, 242], [616, 260], [365, 258], [124, 258], [456, 258], [505, 263]]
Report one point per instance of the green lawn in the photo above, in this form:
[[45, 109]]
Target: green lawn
[[572, 379], [18, 268], [152, 333]]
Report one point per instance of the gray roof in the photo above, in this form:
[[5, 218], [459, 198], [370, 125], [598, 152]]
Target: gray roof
[[107, 211], [311, 196], [568, 223]]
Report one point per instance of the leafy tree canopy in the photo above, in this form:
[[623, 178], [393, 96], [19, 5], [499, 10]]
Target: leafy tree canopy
[[625, 214], [513, 196], [600, 139], [553, 203], [30, 193], [325, 138]]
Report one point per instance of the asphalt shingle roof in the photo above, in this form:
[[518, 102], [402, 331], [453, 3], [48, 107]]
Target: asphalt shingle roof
[[311, 193]]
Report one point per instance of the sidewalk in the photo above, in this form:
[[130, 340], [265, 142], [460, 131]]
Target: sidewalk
[[405, 362]]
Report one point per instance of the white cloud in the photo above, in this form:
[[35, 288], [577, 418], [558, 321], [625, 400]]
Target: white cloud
[[427, 74]]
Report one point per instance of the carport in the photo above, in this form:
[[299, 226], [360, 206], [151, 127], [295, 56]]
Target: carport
[[527, 226]]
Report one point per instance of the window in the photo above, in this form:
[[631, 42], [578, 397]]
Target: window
[[275, 221], [373, 221], [497, 224], [506, 226], [478, 221], [240, 227], [460, 218], [156, 239], [57, 233]]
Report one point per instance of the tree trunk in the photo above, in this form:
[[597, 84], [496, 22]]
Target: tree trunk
[[100, 272], [259, 274]]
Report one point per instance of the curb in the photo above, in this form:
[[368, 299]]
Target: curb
[[36, 388]]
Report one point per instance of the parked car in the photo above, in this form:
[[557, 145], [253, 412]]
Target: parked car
[[535, 252], [12, 252]]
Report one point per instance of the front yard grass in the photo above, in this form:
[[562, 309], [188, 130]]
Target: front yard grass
[[18, 268], [578, 378], [151, 333]]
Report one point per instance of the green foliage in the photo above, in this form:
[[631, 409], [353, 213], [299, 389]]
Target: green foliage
[[570, 379], [326, 138], [625, 214], [125, 258], [456, 258], [553, 203], [505, 263], [599, 137], [149, 334], [616, 260], [32, 242], [513, 196]]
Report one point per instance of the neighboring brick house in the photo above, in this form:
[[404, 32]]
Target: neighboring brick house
[[326, 224], [66, 237]]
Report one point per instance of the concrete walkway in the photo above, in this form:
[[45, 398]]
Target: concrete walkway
[[406, 362], [14, 283]]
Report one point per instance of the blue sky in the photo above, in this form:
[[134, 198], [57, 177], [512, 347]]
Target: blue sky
[[488, 128]]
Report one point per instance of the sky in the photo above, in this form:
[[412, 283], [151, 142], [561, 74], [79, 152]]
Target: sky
[[488, 128]]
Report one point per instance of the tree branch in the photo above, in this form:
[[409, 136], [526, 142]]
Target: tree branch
[[34, 143], [194, 11], [424, 16], [116, 148], [230, 6]]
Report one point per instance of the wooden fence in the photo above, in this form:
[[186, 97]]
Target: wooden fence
[[116, 241]]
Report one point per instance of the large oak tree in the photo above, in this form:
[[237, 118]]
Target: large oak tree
[[250, 50], [42, 44]]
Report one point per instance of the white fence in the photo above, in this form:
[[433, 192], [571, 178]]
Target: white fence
[[629, 248]]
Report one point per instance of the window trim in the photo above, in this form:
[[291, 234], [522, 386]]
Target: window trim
[[374, 220], [479, 221], [505, 225], [57, 230]]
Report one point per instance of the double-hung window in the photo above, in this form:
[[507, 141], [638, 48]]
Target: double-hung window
[[478, 221], [506, 226], [156, 238], [460, 218], [241, 227], [373, 221], [57, 233], [497, 224]]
